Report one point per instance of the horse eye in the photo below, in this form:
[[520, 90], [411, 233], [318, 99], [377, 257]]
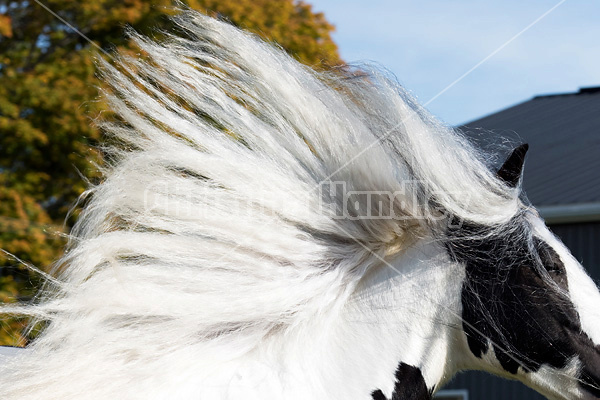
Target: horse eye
[[554, 267], [550, 259]]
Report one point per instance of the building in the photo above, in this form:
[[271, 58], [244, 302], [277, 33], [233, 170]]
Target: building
[[561, 178]]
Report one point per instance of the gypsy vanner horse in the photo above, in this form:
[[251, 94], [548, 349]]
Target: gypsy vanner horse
[[265, 231]]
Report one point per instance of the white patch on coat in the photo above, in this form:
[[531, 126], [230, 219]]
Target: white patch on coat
[[558, 383], [582, 289], [410, 313]]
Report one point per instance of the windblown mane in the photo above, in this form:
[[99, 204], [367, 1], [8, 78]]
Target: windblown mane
[[218, 217]]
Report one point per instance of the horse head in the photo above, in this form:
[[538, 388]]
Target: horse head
[[529, 310], [513, 302]]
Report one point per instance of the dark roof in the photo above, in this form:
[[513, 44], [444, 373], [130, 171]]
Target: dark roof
[[563, 132]]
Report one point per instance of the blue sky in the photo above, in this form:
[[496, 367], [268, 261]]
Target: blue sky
[[429, 44]]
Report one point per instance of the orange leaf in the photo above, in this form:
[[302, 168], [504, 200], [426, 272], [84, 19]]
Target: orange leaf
[[5, 26]]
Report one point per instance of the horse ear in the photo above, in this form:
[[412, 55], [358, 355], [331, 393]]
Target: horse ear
[[510, 172]]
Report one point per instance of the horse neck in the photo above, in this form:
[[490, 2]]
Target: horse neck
[[401, 319], [405, 317]]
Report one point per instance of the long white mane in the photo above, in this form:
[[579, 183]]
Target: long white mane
[[218, 227]]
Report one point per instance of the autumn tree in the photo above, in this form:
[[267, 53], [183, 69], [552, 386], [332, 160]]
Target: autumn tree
[[49, 97]]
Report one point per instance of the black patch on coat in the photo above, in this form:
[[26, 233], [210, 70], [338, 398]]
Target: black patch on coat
[[410, 385], [507, 299], [378, 395]]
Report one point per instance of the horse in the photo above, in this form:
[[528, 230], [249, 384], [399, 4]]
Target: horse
[[264, 230]]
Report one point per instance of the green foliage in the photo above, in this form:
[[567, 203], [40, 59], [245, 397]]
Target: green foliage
[[11, 328], [26, 232], [292, 25], [49, 97]]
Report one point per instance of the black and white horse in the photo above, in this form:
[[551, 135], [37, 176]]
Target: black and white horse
[[265, 231]]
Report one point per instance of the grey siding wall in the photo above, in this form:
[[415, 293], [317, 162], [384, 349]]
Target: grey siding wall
[[483, 386], [583, 239]]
